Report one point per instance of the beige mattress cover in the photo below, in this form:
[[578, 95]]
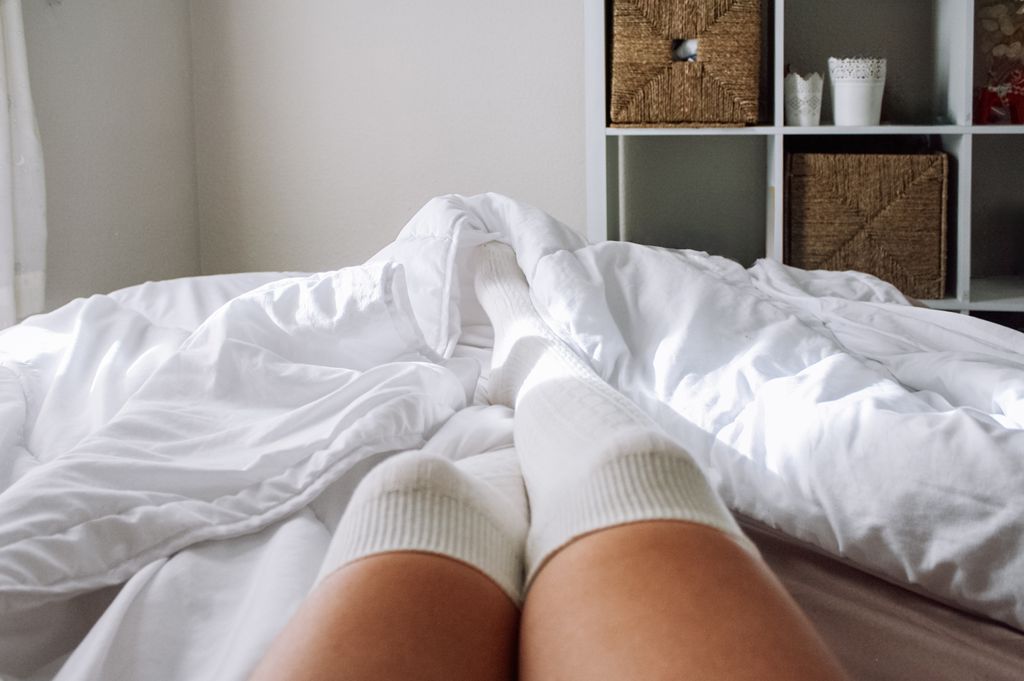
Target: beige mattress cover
[[881, 631]]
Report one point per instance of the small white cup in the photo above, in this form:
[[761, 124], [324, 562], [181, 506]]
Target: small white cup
[[857, 88], [803, 99]]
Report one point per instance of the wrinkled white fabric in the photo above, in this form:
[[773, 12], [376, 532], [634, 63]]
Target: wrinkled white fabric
[[237, 426], [192, 462], [187, 302], [888, 435]]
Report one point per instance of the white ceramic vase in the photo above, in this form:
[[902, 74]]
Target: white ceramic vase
[[803, 99], [857, 87]]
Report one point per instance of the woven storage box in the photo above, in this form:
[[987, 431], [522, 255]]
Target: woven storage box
[[884, 214], [650, 87]]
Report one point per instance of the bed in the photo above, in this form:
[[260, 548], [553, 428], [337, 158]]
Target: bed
[[175, 456]]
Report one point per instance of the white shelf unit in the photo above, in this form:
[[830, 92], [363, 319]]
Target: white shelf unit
[[721, 189]]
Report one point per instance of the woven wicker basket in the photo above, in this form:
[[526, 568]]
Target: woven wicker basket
[[650, 87], [884, 214]]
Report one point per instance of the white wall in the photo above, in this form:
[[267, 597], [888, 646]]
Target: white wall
[[226, 135], [322, 125], [111, 81]]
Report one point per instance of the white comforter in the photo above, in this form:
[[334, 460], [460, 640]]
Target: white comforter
[[201, 458]]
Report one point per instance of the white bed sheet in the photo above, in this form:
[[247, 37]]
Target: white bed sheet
[[888, 435], [187, 302], [793, 391], [210, 611]]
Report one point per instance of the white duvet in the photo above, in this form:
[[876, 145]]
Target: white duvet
[[200, 454]]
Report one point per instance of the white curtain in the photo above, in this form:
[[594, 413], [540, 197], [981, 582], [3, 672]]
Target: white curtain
[[22, 186]]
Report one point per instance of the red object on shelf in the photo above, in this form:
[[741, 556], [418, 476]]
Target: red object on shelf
[[1015, 98], [988, 102], [1016, 81], [1002, 102], [1015, 103]]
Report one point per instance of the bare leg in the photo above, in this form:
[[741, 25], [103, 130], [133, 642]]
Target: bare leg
[[422, 579], [665, 600], [638, 570], [403, 615]]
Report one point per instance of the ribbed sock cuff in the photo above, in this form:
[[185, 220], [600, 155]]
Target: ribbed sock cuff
[[629, 488], [423, 520]]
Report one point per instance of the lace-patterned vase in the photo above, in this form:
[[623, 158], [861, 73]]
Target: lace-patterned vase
[[803, 99], [857, 87]]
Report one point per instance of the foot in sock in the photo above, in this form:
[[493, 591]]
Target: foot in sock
[[473, 511], [590, 458]]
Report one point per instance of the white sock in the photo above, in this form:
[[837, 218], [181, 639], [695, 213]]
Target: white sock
[[590, 458], [473, 511]]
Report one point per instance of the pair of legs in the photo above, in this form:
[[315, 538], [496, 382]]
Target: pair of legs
[[636, 569], [650, 600]]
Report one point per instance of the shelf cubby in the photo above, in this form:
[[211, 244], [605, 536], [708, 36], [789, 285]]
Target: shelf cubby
[[923, 85], [997, 223], [693, 192]]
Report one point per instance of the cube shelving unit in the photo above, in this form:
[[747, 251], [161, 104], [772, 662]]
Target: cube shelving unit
[[721, 189]]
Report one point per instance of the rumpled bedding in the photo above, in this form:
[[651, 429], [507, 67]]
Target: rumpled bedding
[[171, 472]]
